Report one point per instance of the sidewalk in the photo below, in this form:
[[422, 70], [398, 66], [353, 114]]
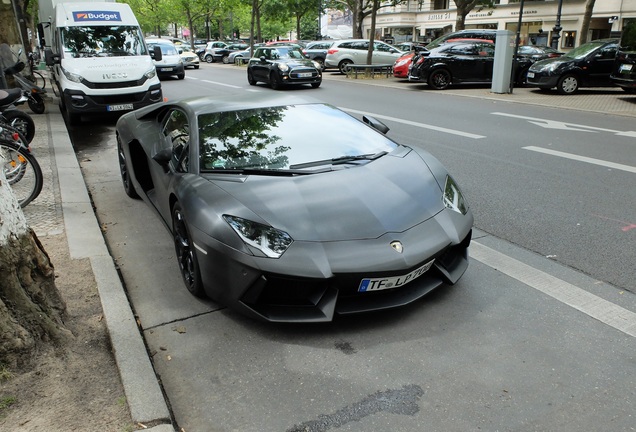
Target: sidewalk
[[64, 206]]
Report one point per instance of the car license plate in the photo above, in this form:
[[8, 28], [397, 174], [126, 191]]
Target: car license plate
[[304, 75], [166, 69], [530, 75], [120, 107], [625, 68], [378, 284]]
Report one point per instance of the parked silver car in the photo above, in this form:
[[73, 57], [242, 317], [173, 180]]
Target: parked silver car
[[354, 51]]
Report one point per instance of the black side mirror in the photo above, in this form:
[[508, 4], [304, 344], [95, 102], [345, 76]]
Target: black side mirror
[[263, 59], [51, 59], [163, 158], [156, 53], [375, 124]]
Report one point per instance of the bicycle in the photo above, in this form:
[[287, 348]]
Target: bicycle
[[21, 169], [34, 76]]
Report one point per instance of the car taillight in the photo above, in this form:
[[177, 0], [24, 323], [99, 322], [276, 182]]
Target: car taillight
[[332, 51]]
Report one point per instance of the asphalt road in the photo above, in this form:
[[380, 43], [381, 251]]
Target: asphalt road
[[536, 336]]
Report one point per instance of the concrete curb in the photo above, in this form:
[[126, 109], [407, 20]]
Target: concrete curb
[[85, 240]]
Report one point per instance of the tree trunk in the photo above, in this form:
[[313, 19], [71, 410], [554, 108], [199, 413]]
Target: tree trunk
[[32, 310], [585, 24]]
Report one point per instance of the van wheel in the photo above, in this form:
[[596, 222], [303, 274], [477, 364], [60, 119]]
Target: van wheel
[[568, 84], [439, 79]]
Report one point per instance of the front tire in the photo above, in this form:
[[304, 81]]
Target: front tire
[[226, 59], [568, 84], [186, 255], [250, 77], [209, 58], [273, 81], [316, 85], [439, 79]]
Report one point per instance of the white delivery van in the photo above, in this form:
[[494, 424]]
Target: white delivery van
[[99, 59]]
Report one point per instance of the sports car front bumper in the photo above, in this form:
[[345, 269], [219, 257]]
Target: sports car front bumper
[[313, 281]]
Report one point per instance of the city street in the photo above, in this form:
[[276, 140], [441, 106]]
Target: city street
[[539, 334]]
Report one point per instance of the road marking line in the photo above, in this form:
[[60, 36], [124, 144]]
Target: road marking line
[[600, 162], [412, 123], [222, 84], [590, 304]]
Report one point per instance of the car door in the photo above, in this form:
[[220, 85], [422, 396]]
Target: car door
[[464, 62], [384, 53], [260, 69], [175, 139], [600, 65]]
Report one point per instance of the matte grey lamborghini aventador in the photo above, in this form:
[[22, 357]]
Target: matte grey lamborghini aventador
[[284, 224]]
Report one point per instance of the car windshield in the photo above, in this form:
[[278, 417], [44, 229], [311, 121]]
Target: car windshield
[[166, 49], [583, 50], [284, 138], [287, 53], [102, 41]]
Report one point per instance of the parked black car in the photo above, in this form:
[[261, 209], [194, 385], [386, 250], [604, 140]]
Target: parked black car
[[588, 65], [281, 66], [537, 52], [624, 72], [317, 51], [223, 54], [462, 62]]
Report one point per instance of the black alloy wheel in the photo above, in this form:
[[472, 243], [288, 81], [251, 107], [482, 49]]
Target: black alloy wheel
[[125, 174], [343, 66], [273, 81], [186, 255], [439, 79]]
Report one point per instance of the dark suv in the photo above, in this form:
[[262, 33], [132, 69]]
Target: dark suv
[[624, 71]]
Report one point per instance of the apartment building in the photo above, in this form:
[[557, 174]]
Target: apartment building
[[424, 20]]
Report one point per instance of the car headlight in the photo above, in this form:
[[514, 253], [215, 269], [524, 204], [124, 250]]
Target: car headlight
[[453, 198], [316, 64], [402, 62], [71, 76], [283, 67], [269, 241]]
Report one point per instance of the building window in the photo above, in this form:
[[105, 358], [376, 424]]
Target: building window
[[567, 39], [441, 4]]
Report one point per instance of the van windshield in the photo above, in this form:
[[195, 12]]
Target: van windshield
[[102, 41]]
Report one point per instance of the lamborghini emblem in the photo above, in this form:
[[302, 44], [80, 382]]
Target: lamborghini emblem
[[397, 246]]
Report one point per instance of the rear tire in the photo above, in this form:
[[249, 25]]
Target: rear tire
[[129, 188], [20, 121], [226, 59], [342, 66]]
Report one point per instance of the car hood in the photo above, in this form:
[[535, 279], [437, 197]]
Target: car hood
[[298, 62], [390, 194], [550, 63]]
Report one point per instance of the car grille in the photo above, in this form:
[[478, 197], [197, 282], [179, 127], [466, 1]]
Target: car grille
[[118, 84], [297, 73]]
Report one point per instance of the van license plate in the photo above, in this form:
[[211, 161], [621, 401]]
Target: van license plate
[[120, 107]]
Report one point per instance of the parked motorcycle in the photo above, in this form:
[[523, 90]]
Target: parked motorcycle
[[34, 93]]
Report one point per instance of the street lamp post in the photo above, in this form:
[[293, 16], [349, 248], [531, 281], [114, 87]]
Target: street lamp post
[[556, 30]]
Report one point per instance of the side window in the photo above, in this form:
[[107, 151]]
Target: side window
[[176, 133], [608, 52], [381, 47]]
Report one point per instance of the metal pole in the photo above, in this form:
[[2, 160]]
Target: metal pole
[[517, 39], [556, 30]]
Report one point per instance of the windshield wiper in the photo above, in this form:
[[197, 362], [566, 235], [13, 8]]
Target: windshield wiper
[[339, 160], [263, 171]]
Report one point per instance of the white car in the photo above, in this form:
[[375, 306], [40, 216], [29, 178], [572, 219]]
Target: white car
[[354, 51], [189, 57], [171, 62]]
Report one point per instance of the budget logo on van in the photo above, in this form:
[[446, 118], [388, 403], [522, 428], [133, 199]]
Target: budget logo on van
[[96, 16]]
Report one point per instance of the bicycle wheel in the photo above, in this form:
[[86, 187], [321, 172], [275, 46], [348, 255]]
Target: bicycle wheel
[[22, 171], [39, 79]]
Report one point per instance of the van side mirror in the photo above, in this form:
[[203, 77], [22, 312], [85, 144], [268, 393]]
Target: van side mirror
[[51, 59], [155, 53]]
